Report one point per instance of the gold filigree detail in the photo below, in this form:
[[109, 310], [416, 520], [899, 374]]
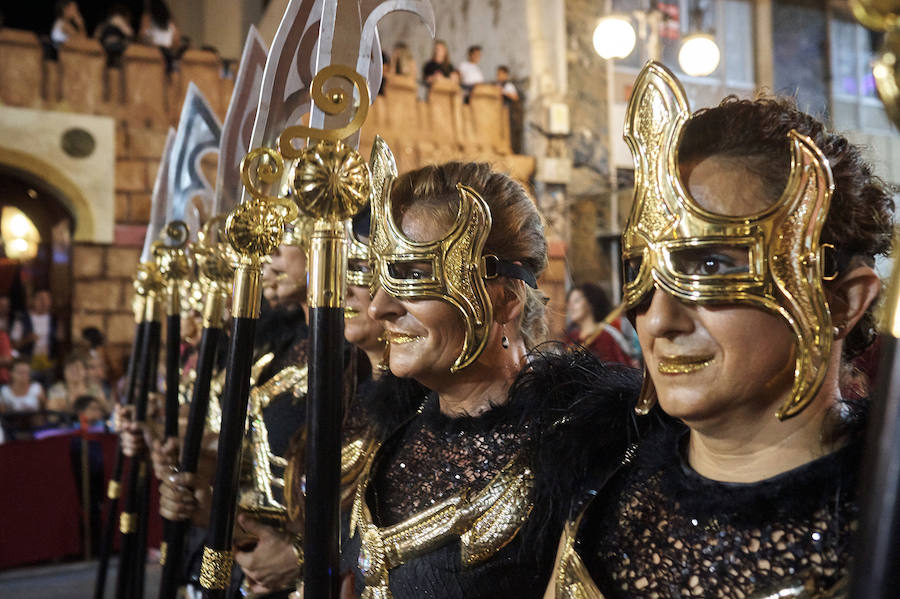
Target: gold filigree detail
[[215, 569], [784, 271], [458, 272], [334, 101], [331, 180], [259, 485], [483, 523], [571, 578]]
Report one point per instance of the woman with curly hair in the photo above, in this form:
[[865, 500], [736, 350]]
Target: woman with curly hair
[[749, 260]]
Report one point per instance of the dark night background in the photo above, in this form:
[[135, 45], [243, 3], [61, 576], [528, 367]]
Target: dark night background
[[38, 15]]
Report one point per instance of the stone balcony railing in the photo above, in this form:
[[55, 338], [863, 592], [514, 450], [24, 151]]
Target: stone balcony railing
[[142, 95], [144, 100]]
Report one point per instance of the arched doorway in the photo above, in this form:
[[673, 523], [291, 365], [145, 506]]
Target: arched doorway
[[51, 267]]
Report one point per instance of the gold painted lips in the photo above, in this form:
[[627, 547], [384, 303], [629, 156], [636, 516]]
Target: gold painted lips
[[350, 312], [400, 338], [683, 364]]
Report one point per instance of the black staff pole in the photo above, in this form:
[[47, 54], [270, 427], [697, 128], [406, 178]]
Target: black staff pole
[[114, 488]]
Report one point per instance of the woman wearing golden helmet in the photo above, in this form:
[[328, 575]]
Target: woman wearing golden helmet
[[748, 256], [464, 498]]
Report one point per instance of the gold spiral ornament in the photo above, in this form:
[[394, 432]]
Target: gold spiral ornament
[[331, 180], [878, 15], [171, 258], [333, 101], [884, 15], [214, 255]]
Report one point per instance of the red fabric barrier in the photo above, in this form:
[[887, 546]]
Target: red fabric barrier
[[40, 507]]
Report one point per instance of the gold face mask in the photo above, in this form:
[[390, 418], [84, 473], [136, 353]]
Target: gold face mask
[[384, 170], [452, 269], [771, 259]]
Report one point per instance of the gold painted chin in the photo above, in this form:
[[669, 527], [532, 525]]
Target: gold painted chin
[[683, 364], [401, 339]]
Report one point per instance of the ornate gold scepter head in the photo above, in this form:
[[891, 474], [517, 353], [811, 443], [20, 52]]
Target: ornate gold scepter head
[[215, 260], [172, 263], [256, 227]]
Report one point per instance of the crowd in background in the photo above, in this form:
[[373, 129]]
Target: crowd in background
[[468, 75], [43, 386], [156, 27]]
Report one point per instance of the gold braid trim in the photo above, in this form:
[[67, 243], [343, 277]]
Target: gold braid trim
[[163, 551], [215, 569], [127, 523], [114, 490]]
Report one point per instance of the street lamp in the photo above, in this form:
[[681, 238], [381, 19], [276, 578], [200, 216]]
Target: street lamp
[[699, 55], [614, 37]]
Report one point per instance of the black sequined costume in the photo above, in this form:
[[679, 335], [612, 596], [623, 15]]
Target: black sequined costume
[[658, 529], [507, 472]]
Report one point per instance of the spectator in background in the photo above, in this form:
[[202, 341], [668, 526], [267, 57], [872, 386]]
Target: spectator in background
[[158, 29], [6, 349], [470, 73], [586, 307], [512, 100], [402, 61], [439, 66], [68, 23], [115, 33], [35, 334], [100, 368], [507, 87], [61, 396], [89, 409], [21, 394]]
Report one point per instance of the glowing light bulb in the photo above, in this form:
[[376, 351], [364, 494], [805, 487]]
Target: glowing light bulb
[[699, 55], [614, 37]]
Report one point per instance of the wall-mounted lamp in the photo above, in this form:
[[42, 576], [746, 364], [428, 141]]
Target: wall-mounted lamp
[[614, 37], [699, 55], [20, 236]]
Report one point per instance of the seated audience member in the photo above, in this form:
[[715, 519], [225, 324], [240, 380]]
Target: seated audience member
[[100, 369], [61, 396], [68, 23], [35, 334], [439, 66], [89, 409], [158, 29], [586, 307], [470, 73], [21, 394], [115, 33]]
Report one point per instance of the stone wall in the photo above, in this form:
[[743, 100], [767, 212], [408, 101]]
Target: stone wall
[[144, 100]]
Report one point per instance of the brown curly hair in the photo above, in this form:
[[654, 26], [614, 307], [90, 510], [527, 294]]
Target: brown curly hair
[[859, 222]]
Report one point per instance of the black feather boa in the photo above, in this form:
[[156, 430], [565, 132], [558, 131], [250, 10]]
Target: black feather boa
[[585, 422]]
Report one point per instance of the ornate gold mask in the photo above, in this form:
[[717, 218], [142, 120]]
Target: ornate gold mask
[[458, 271], [776, 259], [384, 170]]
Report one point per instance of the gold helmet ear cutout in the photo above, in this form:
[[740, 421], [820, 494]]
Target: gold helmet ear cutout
[[784, 273]]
